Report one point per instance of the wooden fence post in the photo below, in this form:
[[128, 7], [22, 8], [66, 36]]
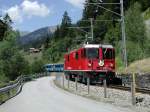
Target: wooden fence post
[[76, 80], [105, 88], [68, 81], [88, 84], [63, 80], [133, 91]]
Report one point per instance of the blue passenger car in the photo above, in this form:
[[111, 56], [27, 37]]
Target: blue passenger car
[[49, 67], [58, 67], [54, 67]]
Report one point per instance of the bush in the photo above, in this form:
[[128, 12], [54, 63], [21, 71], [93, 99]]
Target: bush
[[37, 66], [13, 63], [134, 52]]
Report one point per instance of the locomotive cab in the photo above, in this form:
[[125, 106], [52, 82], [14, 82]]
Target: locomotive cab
[[100, 58]]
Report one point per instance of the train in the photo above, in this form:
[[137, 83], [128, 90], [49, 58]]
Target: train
[[94, 61], [54, 67]]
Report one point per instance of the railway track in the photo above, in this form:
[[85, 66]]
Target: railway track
[[140, 90]]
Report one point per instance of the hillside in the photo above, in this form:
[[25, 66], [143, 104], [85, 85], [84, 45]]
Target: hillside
[[32, 57], [23, 33], [36, 38], [143, 66]]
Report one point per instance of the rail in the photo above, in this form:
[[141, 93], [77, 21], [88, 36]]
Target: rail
[[140, 90]]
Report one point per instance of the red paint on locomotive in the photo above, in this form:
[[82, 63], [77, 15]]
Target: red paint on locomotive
[[96, 61]]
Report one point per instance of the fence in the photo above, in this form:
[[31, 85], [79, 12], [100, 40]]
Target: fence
[[102, 92], [12, 89]]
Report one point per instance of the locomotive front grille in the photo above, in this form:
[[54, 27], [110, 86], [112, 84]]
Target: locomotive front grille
[[98, 67]]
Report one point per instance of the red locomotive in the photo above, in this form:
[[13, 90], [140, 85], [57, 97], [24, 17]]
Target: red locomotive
[[96, 61]]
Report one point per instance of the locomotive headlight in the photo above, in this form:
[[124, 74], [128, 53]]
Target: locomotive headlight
[[89, 64], [101, 63], [111, 65]]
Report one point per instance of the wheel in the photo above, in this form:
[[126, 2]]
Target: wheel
[[117, 81]]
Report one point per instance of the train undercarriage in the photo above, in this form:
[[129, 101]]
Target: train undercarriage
[[94, 77]]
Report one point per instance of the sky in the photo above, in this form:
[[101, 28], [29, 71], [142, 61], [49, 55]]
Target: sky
[[29, 15]]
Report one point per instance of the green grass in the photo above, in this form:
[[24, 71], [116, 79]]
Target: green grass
[[6, 96], [140, 66]]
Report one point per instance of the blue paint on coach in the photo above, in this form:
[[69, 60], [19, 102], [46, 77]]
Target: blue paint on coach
[[54, 67], [49, 67], [58, 67]]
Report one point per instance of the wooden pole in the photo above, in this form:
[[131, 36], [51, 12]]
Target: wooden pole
[[105, 88], [133, 91], [76, 80], [63, 79], [88, 85], [68, 80]]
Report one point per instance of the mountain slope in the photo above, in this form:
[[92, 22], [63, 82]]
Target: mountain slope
[[36, 38]]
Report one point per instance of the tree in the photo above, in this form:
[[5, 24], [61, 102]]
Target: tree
[[18, 66], [37, 66], [5, 27], [135, 28], [57, 33], [135, 31], [113, 35], [145, 4], [7, 20], [66, 22], [12, 61], [46, 44]]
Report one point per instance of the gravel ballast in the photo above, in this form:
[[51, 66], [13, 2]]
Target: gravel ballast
[[114, 96]]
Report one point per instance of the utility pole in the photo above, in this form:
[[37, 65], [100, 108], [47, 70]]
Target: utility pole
[[92, 32], [99, 4], [123, 34]]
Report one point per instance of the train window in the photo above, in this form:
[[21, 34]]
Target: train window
[[77, 55], [92, 53], [108, 53], [83, 53], [68, 58]]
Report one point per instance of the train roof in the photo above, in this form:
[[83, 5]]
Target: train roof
[[54, 64], [93, 46], [97, 46]]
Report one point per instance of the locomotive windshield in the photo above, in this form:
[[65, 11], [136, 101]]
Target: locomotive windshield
[[92, 53], [108, 53]]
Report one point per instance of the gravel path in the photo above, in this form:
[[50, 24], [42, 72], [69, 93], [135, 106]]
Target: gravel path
[[42, 95]]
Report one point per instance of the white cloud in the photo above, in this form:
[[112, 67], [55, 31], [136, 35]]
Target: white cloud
[[28, 9], [34, 9], [14, 13], [76, 3]]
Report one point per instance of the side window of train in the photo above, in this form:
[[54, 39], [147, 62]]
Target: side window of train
[[108, 53], [83, 53], [77, 55], [113, 53], [68, 58]]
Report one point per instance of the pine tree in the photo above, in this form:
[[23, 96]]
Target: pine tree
[[57, 33], [7, 20], [5, 26], [66, 22]]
